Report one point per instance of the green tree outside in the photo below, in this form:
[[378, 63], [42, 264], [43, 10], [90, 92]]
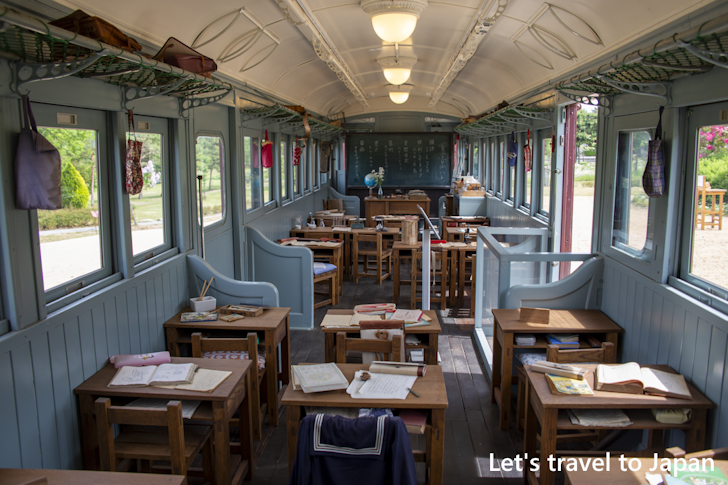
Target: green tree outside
[[73, 188]]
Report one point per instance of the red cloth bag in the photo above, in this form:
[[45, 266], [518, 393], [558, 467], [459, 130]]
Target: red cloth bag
[[267, 152]]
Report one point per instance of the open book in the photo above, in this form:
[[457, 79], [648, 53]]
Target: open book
[[343, 321], [152, 375], [632, 379]]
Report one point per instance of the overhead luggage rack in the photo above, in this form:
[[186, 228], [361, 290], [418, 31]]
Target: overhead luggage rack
[[505, 120], [293, 119], [41, 52], [649, 71]]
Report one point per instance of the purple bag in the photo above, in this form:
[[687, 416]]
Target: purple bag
[[653, 179], [37, 167]]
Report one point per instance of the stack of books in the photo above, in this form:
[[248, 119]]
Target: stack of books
[[563, 370], [526, 339], [565, 341], [318, 378]]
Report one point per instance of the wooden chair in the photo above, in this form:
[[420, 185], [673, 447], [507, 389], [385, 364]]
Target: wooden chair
[[440, 275], [380, 254], [233, 348], [139, 441], [387, 347], [607, 354], [332, 296]]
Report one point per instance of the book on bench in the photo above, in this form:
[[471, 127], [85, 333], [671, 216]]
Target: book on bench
[[153, 375], [630, 378]]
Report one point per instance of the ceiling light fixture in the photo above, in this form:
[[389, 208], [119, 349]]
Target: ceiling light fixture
[[394, 20], [397, 69], [399, 94]]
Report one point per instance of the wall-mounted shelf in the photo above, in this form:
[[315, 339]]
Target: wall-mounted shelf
[[510, 118], [43, 52], [294, 119], [650, 71]]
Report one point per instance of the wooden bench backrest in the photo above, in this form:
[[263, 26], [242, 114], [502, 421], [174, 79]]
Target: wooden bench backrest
[[367, 345], [108, 415]]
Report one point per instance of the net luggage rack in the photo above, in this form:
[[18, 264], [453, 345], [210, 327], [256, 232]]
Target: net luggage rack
[[41, 52]]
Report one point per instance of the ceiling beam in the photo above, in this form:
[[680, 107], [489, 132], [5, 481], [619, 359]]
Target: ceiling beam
[[479, 25], [298, 13]]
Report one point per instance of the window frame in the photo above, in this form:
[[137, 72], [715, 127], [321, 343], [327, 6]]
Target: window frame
[[619, 124], [315, 177], [223, 180], [704, 290], [87, 119], [525, 203], [160, 126], [489, 166], [285, 161], [499, 167], [544, 212], [252, 136]]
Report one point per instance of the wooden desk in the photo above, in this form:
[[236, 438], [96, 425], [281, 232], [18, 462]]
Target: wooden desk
[[549, 411], [273, 322], [18, 476], [616, 476], [397, 247], [229, 396], [433, 398], [565, 321], [374, 206], [430, 332], [457, 234]]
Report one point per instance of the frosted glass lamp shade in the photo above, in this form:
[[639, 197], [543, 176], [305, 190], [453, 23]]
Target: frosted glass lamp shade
[[394, 27], [397, 75], [398, 98]]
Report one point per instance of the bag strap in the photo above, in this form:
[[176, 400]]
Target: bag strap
[[658, 130], [130, 118], [28, 117]]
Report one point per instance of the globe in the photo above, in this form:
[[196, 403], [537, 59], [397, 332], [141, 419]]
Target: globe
[[370, 180]]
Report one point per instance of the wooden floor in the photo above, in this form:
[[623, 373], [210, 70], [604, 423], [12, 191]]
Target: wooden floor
[[471, 421]]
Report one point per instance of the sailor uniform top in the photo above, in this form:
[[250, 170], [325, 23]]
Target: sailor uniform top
[[336, 450]]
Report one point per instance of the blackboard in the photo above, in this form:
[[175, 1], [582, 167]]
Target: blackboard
[[408, 159]]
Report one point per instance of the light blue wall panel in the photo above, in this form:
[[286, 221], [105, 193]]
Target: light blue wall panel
[[47, 360], [278, 223], [219, 252], [663, 326], [504, 215]]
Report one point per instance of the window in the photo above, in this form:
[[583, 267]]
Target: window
[[476, 161], [511, 194], [528, 177], [267, 185], [284, 166], [306, 166], [491, 165], [546, 158], [210, 156], [501, 168], [251, 152], [631, 205], [297, 170], [150, 210], [315, 163], [75, 241], [703, 261]]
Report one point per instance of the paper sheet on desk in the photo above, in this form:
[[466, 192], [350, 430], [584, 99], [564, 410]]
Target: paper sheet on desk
[[381, 386]]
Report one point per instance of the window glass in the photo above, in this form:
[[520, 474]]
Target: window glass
[[707, 259], [315, 162], [493, 162], [147, 208], [251, 152], [476, 161], [546, 157], [501, 166], [527, 177], [511, 181], [631, 204], [210, 158], [284, 167], [306, 166], [70, 239], [584, 177], [267, 192]]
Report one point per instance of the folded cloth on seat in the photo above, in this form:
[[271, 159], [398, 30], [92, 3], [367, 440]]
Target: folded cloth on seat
[[319, 268]]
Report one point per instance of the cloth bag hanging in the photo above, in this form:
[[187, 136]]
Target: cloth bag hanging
[[653, 180], [267, 152], [37, 167], [297, 153], [512, 151], [528, 153], [134, 177]]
